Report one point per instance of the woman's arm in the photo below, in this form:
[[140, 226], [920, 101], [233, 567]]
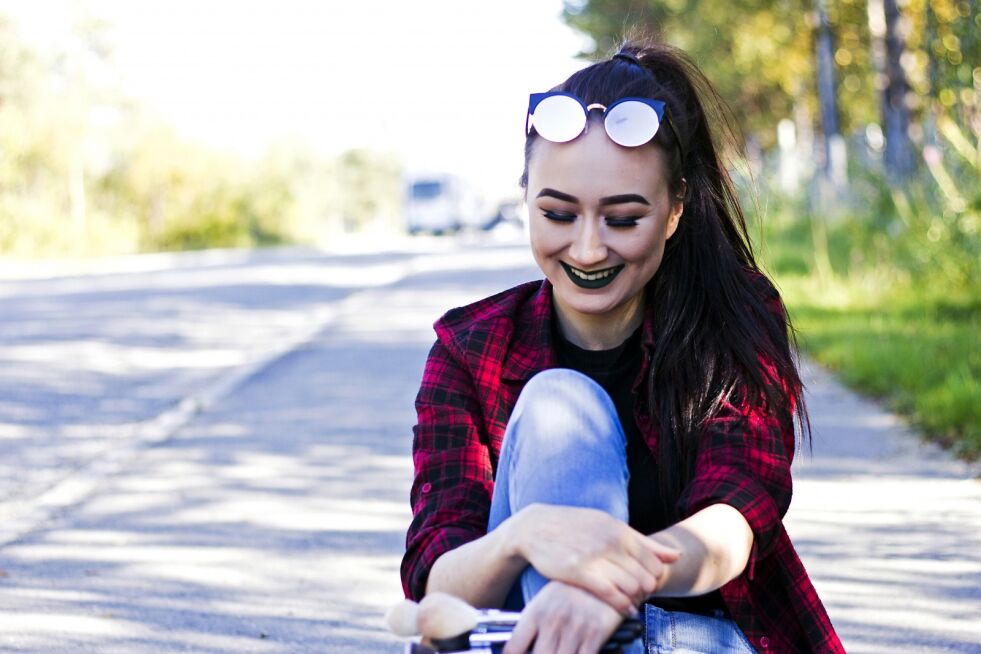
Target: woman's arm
[[715, 542], [451, 490], [451, 497], [480, 572], [448, 547], [582, 547], [742, 482]]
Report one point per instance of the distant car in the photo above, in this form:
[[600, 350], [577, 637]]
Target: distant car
[[439, 203]]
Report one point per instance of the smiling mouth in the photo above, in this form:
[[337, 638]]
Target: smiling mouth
[[597, 279]]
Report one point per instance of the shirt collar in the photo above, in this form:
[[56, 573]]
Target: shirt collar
[[532, 349]]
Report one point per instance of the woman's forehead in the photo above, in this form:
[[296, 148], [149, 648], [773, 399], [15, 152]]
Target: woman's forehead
[[596, 166]]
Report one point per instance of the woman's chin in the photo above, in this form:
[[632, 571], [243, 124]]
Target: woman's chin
[[595, 303]]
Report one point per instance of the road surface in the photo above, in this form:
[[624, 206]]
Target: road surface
[[214, 457]]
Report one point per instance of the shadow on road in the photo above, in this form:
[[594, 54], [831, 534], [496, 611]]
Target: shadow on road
[[275, 522]]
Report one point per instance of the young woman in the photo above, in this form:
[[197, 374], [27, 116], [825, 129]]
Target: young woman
[[617, 437]]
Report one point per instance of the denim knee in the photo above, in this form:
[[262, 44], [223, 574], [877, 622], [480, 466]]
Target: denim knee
[[565, 407], [564, 445], [561, 382]]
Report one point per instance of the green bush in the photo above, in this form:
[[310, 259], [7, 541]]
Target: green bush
[[226, 217], [884, 292]]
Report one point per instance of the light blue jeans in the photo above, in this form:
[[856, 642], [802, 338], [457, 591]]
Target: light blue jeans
[[564, 444]]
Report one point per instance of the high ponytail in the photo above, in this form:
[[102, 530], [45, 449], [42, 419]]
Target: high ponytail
[[722, 335]]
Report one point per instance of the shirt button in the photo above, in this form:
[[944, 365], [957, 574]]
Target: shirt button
[[764, 642], [427, 487]]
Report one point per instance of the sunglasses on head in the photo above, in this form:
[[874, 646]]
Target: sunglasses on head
[[559, 116]]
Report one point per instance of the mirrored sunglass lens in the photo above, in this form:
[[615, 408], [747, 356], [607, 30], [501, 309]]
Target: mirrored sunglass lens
[[632, 123], [558, 118]]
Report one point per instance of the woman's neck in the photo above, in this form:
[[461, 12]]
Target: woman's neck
[[600, 332]]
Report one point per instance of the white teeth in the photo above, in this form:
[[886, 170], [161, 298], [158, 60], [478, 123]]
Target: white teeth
[[591, 277]]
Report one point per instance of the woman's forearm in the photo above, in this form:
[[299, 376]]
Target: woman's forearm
[[480, 572], [715, 544]]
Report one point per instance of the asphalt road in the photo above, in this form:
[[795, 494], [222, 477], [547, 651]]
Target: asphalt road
[[269, 514]]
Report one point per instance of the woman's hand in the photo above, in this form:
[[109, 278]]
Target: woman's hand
[[593, 550], [563, 619]]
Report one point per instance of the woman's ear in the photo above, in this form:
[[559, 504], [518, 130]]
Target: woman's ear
[[677, 208]]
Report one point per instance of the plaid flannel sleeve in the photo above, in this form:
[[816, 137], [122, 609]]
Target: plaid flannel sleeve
[[451, 491], [744, 461]]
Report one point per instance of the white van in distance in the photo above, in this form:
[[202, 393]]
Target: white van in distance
[[440, 203]]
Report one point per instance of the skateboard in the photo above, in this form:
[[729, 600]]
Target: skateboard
[[447, 624]]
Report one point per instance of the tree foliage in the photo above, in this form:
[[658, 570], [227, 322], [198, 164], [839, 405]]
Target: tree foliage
[[761, 56], [86, 170], [760, 53]]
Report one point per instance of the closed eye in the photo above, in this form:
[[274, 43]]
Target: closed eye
[[623, 222], [559, 217], [630, 221]]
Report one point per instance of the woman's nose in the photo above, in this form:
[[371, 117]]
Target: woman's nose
[[588, 248]]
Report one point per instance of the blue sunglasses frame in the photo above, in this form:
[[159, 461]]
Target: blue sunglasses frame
[[659, 107]]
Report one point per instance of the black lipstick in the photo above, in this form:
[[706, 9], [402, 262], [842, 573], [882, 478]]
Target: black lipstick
[[591, 283]]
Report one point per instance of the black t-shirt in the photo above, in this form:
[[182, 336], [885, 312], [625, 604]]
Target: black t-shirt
[[615, 370]]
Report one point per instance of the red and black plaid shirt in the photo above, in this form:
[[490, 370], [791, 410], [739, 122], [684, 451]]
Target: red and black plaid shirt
[[483, 355]]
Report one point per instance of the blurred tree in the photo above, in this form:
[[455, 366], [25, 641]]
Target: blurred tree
[[943, 64], [833, 146], [55, 119], [900, 63], [184, 196], [85, 170], [755, 52], [888, 46], [371, 187], [758, 53]]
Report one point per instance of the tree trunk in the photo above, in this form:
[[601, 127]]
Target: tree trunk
[[887, 51], [76, 192], [933, 78], [824, 46]]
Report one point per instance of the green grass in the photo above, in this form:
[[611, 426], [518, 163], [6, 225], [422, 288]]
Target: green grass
[[885, 293], [918, 352]]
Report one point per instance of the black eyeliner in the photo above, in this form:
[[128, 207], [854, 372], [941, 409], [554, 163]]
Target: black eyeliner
[[623, 222], [560, 218]]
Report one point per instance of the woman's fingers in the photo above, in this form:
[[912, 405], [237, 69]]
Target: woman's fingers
[[642, 581], [627, 577], [568, 638], [648, 552], [563, 619], [547, 640], [641, 565], [591, 642], [665, 553], [522, 635], [646, 555], [622, 582], [603, 587]]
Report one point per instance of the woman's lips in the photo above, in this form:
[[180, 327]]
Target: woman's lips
[[600, 278]]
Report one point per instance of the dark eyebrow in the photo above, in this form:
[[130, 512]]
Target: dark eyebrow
[[612, 199]]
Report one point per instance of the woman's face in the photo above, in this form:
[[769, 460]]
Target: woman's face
[[599, 216]]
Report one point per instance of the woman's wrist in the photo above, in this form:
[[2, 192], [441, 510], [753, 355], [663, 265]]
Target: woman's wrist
[[715, 542], [511, 539], [669, 569]]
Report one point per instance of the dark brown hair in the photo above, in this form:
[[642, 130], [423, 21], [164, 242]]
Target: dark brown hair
[[722, 334]]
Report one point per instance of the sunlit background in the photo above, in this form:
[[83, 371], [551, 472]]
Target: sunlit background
[[129, 127], [428, 86], [437, 83], [227, 228]]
